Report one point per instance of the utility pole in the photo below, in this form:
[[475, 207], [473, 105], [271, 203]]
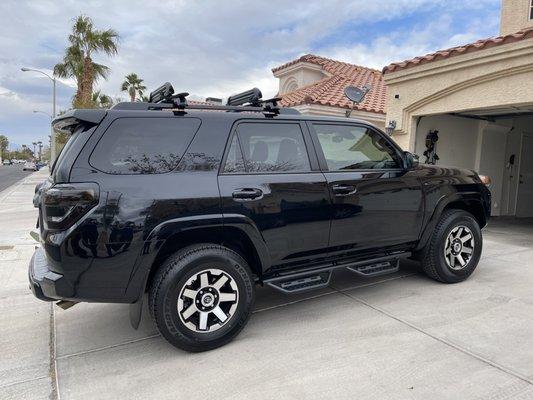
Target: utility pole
[[40, 144]]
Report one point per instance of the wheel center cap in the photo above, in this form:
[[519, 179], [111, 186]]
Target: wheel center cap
[[457, 247]]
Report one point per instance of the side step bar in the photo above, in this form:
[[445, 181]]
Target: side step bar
[[380, 268], [303, 284], [319, 278]]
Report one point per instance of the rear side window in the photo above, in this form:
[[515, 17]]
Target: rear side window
[[143, 145], [61, 167], [267, 147]]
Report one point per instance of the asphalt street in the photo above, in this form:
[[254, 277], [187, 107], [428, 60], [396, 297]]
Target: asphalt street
[[10, 174]]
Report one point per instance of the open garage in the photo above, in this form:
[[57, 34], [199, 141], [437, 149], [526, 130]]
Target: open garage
[[472, 107]]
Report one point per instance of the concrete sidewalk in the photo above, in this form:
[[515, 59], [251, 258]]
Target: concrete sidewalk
[[396, 337]]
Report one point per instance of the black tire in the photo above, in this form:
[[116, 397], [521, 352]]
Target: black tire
[[174, 276], [432, 256]]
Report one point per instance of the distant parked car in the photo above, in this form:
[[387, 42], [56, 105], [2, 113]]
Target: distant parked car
[[29, 166], [7, 162]]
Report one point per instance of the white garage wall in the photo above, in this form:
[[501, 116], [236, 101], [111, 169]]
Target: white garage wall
[[511, 173], [492, 161], [471, 144], [458, 139]]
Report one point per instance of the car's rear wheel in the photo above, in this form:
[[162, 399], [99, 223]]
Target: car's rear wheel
[[454, 248], [202, 297]]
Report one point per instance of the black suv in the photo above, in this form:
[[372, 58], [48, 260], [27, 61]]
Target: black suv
[[195, 204]]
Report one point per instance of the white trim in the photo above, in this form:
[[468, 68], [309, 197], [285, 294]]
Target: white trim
[[290, 85], [466, 60], [519, 171], [314, 109], [299, 65]]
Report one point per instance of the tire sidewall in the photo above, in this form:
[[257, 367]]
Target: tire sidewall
[[447, 273], [167, 318]]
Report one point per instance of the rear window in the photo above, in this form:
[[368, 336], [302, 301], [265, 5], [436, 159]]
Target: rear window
[[69, 152], [267, 148], [143, 145]]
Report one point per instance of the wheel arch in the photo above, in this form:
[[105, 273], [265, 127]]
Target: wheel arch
[[167, 238], [470, 202]]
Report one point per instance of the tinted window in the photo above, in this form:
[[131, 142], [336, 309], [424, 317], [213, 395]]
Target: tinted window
[[143, 145], [270, 147], [355, 147], [234, 160]]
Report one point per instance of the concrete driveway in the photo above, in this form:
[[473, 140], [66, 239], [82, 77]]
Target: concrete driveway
[[401, 336]]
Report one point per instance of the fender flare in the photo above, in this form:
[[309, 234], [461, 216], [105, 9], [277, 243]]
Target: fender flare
[[158, 236], [442, 203]]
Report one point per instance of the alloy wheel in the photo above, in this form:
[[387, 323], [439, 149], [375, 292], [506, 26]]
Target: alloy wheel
[[208, 300], [459, 247]]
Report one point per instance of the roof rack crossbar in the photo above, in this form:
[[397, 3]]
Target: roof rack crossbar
[[250, 101]]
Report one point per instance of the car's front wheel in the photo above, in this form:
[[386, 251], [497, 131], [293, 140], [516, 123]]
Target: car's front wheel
[[202, 297], [454, 249]]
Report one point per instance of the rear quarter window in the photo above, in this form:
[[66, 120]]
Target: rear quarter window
[[143, 145]]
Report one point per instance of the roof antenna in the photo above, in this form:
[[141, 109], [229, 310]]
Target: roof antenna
[[356, 95]]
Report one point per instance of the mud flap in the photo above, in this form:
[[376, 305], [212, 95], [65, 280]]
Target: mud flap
[[136, 312]]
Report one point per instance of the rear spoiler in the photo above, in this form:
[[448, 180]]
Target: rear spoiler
[[67, 122]]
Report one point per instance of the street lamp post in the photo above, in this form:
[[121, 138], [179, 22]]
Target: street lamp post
[[40, 144], [49, 137], [53, 79]]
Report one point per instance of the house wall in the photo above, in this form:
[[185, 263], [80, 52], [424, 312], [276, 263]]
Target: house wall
[[497, 76], [298, 75], [375, 119], [515, 16]]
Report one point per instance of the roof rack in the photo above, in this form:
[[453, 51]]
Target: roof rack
[[250, 101]]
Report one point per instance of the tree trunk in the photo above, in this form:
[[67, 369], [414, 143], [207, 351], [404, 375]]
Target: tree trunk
[[132, 95], [84, 100]]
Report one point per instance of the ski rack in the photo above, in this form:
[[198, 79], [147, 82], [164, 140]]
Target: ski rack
[[163, 98]]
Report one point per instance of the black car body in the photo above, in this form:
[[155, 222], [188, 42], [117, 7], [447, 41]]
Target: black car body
[[136, 184]]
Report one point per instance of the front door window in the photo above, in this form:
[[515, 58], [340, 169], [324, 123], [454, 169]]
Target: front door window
[[348, 147]]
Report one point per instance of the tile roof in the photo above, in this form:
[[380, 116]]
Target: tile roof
[[456, 51], [330, 90]]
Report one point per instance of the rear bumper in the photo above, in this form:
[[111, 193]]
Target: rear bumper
[[45, 284]]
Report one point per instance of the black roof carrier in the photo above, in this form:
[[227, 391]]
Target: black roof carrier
[[251, 100]]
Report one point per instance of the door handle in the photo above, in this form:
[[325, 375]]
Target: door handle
[[344, 190], [247, 194]]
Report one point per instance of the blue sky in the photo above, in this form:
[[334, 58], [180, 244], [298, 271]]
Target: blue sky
[[212, 48]]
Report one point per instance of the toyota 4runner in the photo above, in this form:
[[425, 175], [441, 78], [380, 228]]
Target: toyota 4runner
[[194, 205]]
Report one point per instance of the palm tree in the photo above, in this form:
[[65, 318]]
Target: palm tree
[[4, 144], [133, 85], [77, 62], [101, 100]]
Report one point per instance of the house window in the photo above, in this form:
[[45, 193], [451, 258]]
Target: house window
[[531, 10]]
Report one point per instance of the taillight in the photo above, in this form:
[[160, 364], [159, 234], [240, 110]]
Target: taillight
[[64, 204]]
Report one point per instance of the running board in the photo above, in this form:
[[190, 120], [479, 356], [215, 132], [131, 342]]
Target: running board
[[380, 268], [301, 284], [318, 278]]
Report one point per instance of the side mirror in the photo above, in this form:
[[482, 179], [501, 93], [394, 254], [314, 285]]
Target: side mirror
[[411, 160]]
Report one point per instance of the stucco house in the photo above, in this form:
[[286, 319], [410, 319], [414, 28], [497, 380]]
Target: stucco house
[[315, 85], [479, 98]]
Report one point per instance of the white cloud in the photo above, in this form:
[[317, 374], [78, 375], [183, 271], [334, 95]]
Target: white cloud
[[208, 48]]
